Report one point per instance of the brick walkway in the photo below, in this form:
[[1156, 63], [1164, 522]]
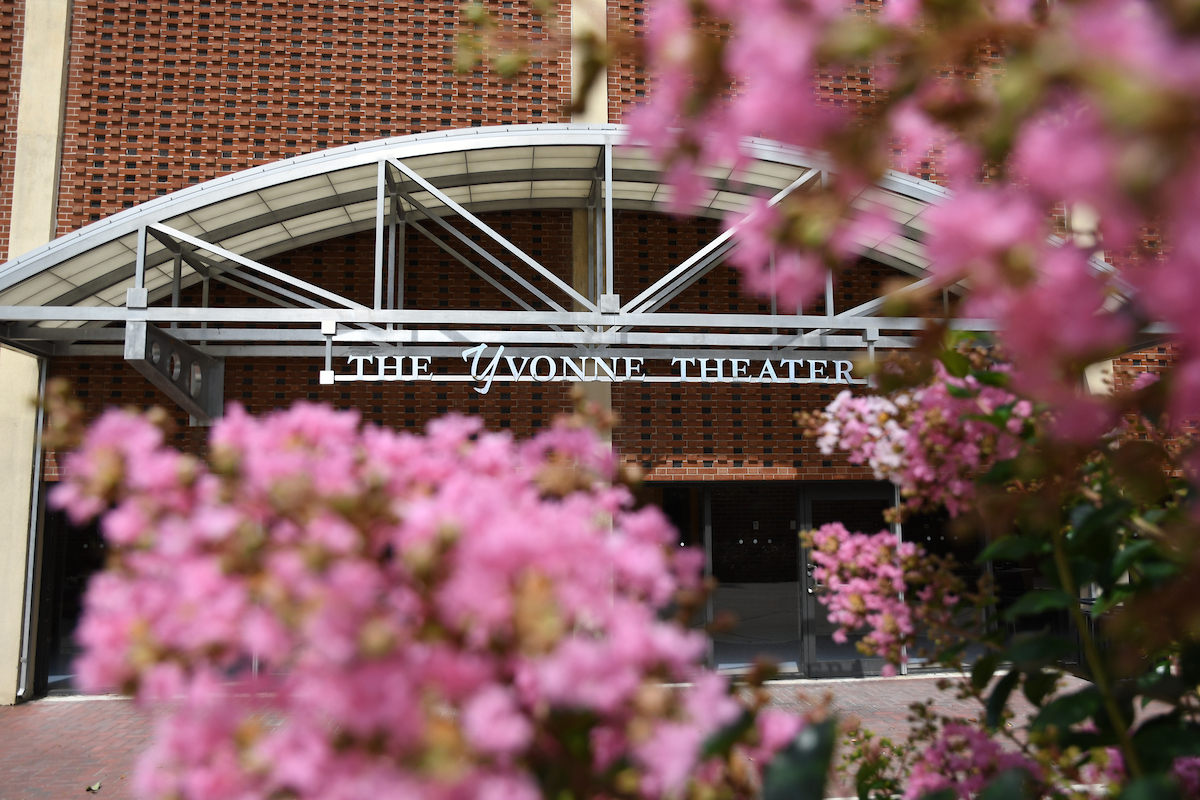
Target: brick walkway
[[56, 747]]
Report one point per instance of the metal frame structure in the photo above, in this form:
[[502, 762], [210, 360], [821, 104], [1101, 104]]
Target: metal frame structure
[[94, 291]]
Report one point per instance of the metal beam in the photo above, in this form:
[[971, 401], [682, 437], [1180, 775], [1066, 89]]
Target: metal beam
[[496, 237], [380, 221], [475, 247], [664, 284], [697, 270], [609, 263], [283, 277], [466, 262], [193, 379], [499, 318]]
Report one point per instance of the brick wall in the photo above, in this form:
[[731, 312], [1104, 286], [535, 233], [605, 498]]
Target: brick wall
[[162, 95], [12, 23]]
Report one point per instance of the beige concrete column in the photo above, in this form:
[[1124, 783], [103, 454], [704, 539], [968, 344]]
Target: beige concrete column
[[19, 379], [581, 233], [40, 111], [1098, 378], [589, 18]]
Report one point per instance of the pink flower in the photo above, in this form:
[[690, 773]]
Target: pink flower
[[971, 234], [418, 630], [493, 723], [964, 759]]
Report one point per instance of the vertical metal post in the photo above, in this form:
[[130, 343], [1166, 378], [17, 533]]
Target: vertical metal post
[[899, 539], [31, 553], [829, 294], [139, 272], [402, 232], [391, 263], [803, 623], [708, 571], [204, 304], [380, 198], [176, 280], [608, 219], [774, 304], [597, 255], [391, 253]]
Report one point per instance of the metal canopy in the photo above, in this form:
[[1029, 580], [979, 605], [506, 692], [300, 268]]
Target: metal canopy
[[266, 210], [66, 296]]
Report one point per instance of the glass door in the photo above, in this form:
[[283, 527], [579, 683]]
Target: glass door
[[858, 505], [753, 551]]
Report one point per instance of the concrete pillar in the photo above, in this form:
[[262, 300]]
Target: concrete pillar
[[589, 18], [581, 235], [20, 375], [1098, 378], [40, 111]]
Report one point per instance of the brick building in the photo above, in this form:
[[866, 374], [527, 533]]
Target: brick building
[[264, 202]]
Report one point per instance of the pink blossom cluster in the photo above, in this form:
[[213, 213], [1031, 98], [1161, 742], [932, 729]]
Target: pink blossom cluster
[[329, 611], [1098, 117], [965, 759], [1186, 772], [930, 442], [877, 582]]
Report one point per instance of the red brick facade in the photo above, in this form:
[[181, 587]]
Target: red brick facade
[[162, 95]]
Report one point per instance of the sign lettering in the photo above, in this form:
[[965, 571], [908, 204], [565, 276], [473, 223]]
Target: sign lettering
[[484, 365]]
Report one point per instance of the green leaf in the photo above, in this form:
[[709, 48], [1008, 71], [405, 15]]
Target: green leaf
[[1189, 664], [992, 378], [955, 362], [1038, 685], [1129, 555], [1038, 601], [1150, 787], [1160, 684], [1001, 472], [1038, 648], [1094, 530], [1011, 548], [999, 698], [941, 794], [800, 769], [1158, 572], [1063, 712], [1161, 740], [722, 740], [1008, 785], [865, 777], [959, 392], [983, 670]]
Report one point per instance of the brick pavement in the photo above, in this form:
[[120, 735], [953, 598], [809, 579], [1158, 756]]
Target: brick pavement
[[56, 747]]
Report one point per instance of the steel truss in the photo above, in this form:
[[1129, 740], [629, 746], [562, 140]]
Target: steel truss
[[584, 317]]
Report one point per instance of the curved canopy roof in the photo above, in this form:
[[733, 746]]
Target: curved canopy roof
[[287, 204]]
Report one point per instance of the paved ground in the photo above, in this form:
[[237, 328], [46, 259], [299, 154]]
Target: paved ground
[[56, 747]]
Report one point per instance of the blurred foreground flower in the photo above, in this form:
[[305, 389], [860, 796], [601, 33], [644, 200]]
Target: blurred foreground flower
[[331, 611]]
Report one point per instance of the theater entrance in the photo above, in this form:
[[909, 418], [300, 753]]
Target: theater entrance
[[749, 532]]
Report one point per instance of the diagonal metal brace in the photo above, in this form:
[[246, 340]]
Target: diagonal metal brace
[[282, 277], [496, 237]]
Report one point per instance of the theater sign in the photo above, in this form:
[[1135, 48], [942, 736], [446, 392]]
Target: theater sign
[[484, 364]]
